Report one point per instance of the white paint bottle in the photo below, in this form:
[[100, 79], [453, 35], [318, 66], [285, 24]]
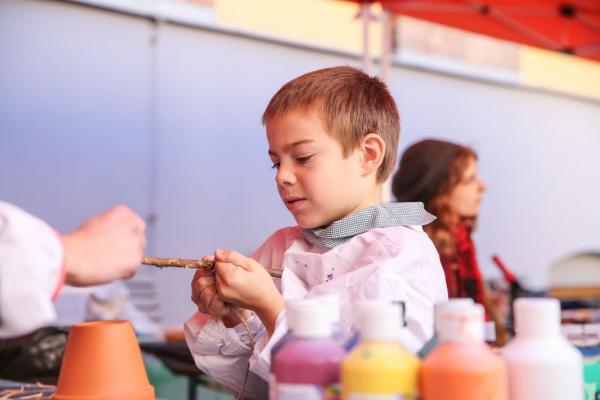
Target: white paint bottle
[[542, 364]]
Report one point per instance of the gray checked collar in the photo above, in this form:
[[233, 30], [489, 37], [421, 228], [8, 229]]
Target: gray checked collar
[[380, 216]]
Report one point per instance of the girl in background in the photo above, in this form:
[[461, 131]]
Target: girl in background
[[444, 177]]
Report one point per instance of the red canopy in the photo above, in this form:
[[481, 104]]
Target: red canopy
[[569, 26]]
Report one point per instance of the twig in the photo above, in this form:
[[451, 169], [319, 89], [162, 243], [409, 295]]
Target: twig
[[194, 264]]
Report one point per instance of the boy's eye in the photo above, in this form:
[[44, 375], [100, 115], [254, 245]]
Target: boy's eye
[[304, 159], [275, 166]]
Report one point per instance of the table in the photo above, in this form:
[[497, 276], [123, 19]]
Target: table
[[177, 358]]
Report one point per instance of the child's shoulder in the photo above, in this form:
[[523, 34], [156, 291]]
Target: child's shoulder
[[282, 237], [286, 233], [400, 232], [276, 245], [402, 238]]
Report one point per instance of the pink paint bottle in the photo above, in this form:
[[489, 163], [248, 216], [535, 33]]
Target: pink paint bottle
[[308, 366]]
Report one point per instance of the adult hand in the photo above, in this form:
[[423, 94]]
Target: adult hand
[[105, 247]]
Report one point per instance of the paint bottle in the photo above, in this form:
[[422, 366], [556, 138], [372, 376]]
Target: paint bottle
[[307, 367], [289, 310], [332, 302], [542, 364], [434, 341], [379, 367], [462, 366], [406, 338]]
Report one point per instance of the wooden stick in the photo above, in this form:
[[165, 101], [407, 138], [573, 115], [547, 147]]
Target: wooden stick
[[194, 264]]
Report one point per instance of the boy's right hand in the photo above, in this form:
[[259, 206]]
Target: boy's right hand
[[208, 300]]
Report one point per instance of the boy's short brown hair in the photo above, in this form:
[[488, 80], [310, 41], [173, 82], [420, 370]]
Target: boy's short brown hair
[[351, 105]]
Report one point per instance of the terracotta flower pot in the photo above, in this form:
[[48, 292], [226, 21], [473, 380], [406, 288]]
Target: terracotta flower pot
[[103, 361]]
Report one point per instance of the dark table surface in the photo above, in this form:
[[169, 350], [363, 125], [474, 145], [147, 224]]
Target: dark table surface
[[175, 355]]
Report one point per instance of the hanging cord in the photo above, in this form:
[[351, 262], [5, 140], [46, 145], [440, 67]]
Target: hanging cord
[[240, 396]]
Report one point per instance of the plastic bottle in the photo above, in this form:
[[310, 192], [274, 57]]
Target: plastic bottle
[[462, 366], [307, 367], [434, 341], [332, 302], [542, 364], [406, 339], [379, 367], [285, 338], [278, 346]]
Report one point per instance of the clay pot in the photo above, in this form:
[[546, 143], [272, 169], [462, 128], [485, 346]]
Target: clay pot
[[103, 361]]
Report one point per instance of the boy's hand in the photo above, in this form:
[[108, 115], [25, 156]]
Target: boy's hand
[[244, 282], [208, 300]]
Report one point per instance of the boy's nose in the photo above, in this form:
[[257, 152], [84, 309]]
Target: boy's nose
[[285, 176]]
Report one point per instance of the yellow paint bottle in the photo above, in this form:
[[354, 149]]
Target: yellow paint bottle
[[379, 368]]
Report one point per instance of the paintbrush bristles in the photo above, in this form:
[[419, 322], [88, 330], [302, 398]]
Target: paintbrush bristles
[[185, 263]]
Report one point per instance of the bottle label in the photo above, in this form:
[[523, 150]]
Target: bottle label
[[289, 391], [364, 396]]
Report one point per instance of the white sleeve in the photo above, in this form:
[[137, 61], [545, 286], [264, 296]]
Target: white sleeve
[[260, 362], [31, 262], [223, 353]]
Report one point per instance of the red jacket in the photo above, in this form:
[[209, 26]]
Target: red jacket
[[463, 276]]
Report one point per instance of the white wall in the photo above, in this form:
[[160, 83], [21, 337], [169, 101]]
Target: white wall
[[539, 154], [94, 111]]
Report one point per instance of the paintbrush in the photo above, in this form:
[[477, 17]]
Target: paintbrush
[[194, 264]]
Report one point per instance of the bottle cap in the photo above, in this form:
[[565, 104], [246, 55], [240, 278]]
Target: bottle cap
[[309, 319], [463, 324], [537, 316], [332, 302], [451, 303], [380, 320]]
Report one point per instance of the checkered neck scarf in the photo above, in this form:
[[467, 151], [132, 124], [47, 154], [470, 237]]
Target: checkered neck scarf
[[380, 216]]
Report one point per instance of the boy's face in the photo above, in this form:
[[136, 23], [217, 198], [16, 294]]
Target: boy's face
[[317, 184]]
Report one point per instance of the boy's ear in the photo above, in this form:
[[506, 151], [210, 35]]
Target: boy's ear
[[373, 148]]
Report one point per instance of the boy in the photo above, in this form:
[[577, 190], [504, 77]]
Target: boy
[[333, 138]]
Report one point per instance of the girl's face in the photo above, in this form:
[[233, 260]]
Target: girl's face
[[316, 182], [465, 198]]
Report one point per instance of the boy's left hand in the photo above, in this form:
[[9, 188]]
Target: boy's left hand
[[244, 282]]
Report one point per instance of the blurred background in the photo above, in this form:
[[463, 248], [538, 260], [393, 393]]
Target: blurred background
[[157, 104]]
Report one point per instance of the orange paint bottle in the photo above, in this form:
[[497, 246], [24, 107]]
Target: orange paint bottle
[[463, 367]]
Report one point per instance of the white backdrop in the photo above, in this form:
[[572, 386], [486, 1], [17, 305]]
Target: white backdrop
[[98, 107]]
